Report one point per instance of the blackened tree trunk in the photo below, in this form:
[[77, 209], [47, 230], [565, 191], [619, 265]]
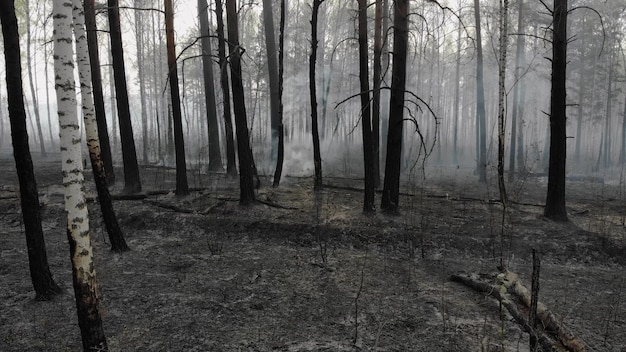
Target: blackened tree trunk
[[132, 183], [43, 283], [231, 168], [480, 101], [317, 158], [555, 199], [376, 81], [366, 125], [391, 187], [98, 96], [272, 67], [246, 163], [182, 187], [215, 156], [281, 128], [504, 23]]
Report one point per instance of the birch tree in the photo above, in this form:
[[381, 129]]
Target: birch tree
[[78, 233], [118, 244]]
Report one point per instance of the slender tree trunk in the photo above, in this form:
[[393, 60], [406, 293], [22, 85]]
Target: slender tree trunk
[[272, 65], [33, 92], [41, 277], [622, 154], [46, 77], [504, 23], [281, 128], [609, 112], [246, 163], [98, 96], [368, 160], [457, 92], [118, 244], [78, 232], [231, 168], [182, 188], [378, 49], [317, 158], [391, 188], [555, 199], [517, 105], [139, 30], [582, 89], [480, 100], [132, 183], [215, 156]]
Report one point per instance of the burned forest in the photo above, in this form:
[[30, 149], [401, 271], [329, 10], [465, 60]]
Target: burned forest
[[313, 175]]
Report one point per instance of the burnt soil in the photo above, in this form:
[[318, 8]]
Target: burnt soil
[[301, 271]]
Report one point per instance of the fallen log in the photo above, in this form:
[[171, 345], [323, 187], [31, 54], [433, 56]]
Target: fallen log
[[500, 293], [549, 321]]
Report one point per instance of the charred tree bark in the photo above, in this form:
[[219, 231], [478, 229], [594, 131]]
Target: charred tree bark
[[368, 160], [391, 188], [246, 162], [132, 183], [504, 23], [317, 158], [376, 81], [231, 168], [272, 66], [281, 128], [555, 199], [41, 277], [182, 187], [215, 156], [98, 96]]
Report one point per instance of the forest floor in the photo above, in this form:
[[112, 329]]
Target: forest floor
[[306, 272]]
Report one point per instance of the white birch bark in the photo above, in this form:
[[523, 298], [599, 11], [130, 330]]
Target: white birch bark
[[83, 272], [84, 74]]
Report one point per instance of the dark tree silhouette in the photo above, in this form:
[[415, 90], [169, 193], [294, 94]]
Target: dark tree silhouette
[[481, 133], [132, 183], [215, 156], [281, 128], [376, 81], [98, 96], [182, 187], [43, 282], [366, 123], [317, 158], [231, 168], [555, 199], [246, 163], [272, 67], [391, 187]]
